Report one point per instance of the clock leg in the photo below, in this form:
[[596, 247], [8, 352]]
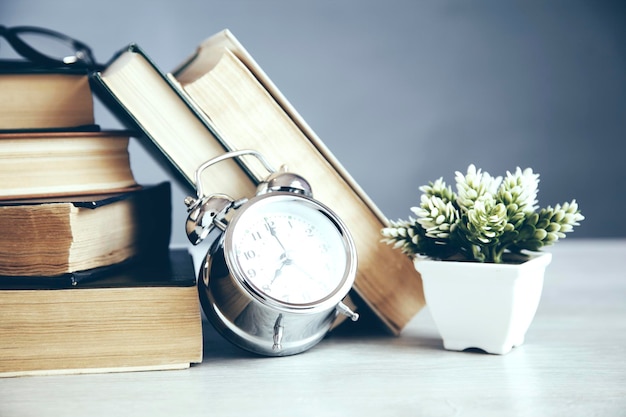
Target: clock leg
[[278, 333], [345, 310]]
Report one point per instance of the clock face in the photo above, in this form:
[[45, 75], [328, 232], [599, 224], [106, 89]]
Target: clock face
[[290, 249]]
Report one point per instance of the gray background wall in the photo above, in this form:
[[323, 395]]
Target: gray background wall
[[406, 91]]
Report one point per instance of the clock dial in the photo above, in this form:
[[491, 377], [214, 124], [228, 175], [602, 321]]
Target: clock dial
[[289, 250]]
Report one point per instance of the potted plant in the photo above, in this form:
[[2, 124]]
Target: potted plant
[[478, 252]]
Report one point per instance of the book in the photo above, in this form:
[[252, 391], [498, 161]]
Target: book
[[36, 164], [175, 132], [144, 316], [248, 112], [48, 237], [44, 98]]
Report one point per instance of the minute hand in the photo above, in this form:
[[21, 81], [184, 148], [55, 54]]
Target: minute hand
[[273, 233]]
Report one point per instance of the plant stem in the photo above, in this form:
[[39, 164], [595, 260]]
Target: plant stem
[[495, 254], [477, 254]]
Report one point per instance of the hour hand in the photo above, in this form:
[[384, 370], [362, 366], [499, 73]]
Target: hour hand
[[283, 261]]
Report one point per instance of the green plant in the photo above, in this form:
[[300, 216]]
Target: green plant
[[483, 220]]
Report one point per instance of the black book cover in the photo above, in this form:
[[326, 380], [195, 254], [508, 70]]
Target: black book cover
[[28, 67], [100, 200], [174, 270]]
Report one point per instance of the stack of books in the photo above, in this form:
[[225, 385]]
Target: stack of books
[[88, 282]]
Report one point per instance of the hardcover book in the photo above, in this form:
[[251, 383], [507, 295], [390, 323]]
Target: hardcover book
[[34, 97], [135, 317], [49, 237], [35, 164]]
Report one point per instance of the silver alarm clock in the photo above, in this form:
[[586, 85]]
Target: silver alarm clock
[[278, 266]]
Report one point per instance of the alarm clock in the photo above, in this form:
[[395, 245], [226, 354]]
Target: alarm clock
[[278, 264]]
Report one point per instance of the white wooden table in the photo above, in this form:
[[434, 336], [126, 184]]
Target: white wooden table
[[573, 363]]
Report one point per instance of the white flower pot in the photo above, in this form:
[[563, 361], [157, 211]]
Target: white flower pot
[[482, 305]]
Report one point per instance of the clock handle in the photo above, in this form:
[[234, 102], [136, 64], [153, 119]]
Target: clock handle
[[208, 211], [281, 180], [228, 155]]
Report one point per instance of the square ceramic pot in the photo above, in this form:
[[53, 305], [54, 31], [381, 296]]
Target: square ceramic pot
[[483, 305]]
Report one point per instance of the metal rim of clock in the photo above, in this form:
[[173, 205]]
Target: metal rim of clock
[[338, 292]]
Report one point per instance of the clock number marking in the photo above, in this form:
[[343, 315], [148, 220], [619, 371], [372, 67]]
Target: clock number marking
[[269, 224]]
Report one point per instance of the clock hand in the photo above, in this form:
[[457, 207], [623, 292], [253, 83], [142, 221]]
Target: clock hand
[[301, 269], [273, 233], [284, 260]]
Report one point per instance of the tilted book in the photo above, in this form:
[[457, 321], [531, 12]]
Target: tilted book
[[177, 134], [220, 100]]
